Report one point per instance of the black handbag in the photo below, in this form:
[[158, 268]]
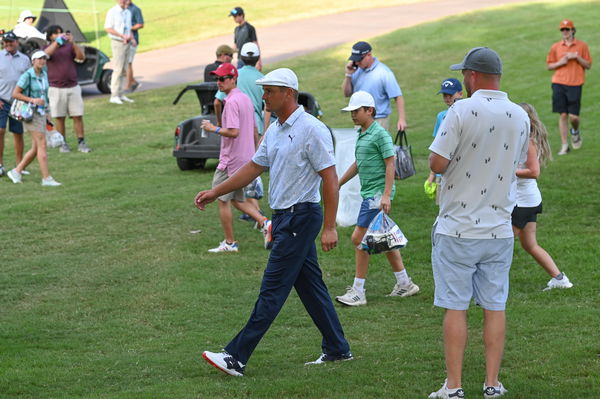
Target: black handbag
[[405, 166]]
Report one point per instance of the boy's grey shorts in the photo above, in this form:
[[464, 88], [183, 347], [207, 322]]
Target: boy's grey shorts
[[470, 268]]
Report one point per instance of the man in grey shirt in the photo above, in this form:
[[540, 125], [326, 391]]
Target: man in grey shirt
[[298, 149], [12, 65]]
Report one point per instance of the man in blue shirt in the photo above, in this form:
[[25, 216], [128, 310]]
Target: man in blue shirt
[[365, 72], [137, 23], [298, 150], [12, 65]]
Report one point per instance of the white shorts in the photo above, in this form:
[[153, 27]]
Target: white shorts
[[469, 268], [65, 101]]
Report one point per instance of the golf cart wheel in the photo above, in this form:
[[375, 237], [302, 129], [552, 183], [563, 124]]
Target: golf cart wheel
[[200, 163], [104, 83], [185, 163]]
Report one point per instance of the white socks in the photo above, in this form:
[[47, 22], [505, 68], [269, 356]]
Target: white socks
[[359, 284], [402, 277]]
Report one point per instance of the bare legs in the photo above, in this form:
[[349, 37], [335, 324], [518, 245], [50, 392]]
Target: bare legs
[[563, 125], [455, 342], [77, 126], [528, 240], [37, 150], [19, 145], [362, 257], [226, 216]]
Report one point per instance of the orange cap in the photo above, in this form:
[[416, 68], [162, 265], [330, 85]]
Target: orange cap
[[566, 23]]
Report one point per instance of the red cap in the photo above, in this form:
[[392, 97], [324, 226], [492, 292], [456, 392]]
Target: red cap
[[566, 23], [225, 69]]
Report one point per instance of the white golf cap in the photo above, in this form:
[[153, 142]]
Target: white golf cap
[[39, 54], [360, 99], [25, 14], [280, 77], [250, 50]]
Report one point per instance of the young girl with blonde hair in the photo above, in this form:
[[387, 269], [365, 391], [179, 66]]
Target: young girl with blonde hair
[[529, 200]]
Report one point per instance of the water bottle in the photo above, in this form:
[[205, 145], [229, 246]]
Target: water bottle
[[41, 110]]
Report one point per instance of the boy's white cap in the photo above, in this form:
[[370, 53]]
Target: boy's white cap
[[280, 77], [360, 99], [39, 54], [24, 15], [250, 50]]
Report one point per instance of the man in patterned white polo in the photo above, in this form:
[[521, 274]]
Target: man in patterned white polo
[[477, 148]]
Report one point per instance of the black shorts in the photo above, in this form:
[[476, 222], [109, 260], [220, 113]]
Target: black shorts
[[566, 99], [523, 215]]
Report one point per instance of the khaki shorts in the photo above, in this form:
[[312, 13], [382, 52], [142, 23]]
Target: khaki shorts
[[37, 124], [65, 101], [237, 195]]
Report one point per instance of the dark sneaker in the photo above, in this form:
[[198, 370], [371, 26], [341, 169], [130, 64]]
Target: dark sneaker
[[494, 392], [325, 358], [246, 217], [224, 362]]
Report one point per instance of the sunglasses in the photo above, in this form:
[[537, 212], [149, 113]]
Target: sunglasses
[[224, 78], [565, 29]]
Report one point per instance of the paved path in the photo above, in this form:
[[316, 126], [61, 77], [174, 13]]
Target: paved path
[[185, 63]]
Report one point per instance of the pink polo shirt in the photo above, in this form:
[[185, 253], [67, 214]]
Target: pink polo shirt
[[238, 113]]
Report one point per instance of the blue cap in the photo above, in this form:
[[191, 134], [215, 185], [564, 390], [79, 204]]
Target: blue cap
[[450, 86]]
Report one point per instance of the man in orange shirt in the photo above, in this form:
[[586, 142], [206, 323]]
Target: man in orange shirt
[[568, 58]]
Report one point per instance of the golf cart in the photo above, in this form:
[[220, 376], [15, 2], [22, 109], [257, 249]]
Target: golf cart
[[91, 71], [191, 149]]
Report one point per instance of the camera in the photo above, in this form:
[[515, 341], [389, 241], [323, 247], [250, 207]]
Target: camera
[[62, 39]]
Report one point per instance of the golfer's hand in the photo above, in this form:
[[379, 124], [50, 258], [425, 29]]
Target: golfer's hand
[[385, 204], [350, 67], [329, 239], [203, 198], [402, 125]]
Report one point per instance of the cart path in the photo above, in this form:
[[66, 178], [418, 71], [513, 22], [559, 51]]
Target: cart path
[[185, 63]]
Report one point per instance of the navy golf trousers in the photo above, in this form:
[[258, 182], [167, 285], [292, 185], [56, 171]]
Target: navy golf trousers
[[292, 263]]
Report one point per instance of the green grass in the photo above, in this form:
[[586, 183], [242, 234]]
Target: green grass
[[105, 294], [175, 22]]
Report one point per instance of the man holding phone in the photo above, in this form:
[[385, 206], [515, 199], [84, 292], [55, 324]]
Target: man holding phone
[[64, 92], [365, 72]]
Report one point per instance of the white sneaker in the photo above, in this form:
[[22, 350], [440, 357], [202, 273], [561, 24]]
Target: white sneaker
[[494, 392], [225, 247], [564, 149], [224, 362], [50, 182], [115, 100], [553, 283], [445, 393], [576, 139], [14, 176], [352, 297], [405, 290], [25, 172], [126, 99]]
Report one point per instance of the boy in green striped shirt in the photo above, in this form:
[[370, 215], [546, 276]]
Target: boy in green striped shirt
[[375, 168]]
